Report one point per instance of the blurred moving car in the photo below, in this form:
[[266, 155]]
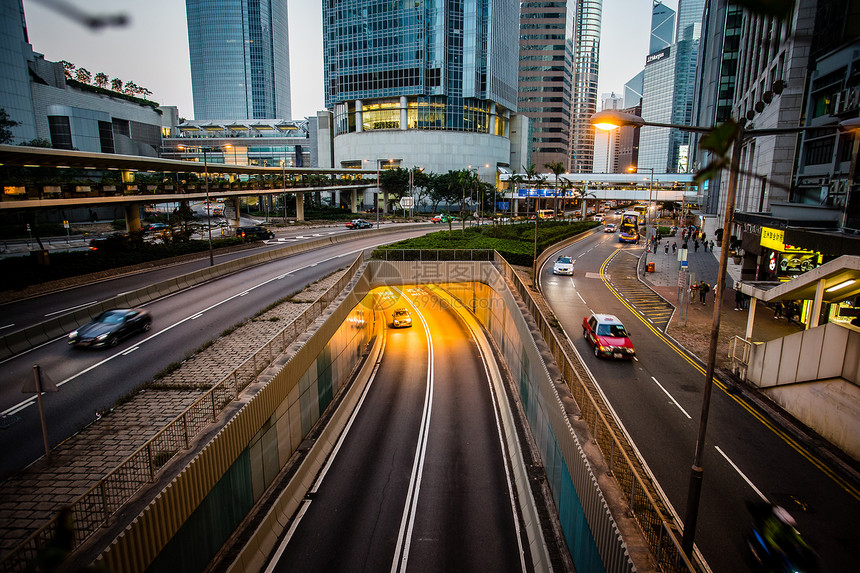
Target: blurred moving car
[[608, 336], [443, 218], [563, 265], [111, 326], [359, 224], [401, 318], [155, 227], [255, 232], [609, 228]]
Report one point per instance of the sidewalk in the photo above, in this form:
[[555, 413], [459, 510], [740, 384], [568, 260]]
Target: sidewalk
[[695, 333]]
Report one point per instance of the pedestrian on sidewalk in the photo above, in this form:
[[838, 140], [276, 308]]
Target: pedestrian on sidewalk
[[739, 298], [712, 246], [696, 245], [667, 247], [703, 291], [674, 247]]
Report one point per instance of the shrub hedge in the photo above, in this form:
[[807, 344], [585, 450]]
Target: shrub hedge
[[514, 242]]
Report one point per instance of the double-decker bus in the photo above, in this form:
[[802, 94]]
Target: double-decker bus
[[628, 230]]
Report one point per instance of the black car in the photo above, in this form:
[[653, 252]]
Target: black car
[[255, 232], [111, 326]]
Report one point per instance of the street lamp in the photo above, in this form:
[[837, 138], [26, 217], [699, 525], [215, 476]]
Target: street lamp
[[378, 187], [612, 119], [205, 150]]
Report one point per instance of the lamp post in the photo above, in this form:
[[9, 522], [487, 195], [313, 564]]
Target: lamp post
[[612, 119], [206, 150]]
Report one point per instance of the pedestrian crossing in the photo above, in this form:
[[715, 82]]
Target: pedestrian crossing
[[620, 273]]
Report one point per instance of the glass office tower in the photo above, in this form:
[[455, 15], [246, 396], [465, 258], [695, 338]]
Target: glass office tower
[[586, 59], [240, 59], [397, 69]]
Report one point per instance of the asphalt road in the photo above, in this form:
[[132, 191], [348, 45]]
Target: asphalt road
[[418, 480], [21, 314], [658, 399], [92, 380]]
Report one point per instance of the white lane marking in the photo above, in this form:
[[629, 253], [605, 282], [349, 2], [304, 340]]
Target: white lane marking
[[130, 350], [580, 298], [7, 326], [277, 556], [671, 398], [71, 308], [740, 473], [328, 463], [509, 481], [244, 293], [404, 538], [32, 399], [196, 316]]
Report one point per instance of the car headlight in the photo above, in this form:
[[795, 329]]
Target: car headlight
[[102, 336], [73, 334]]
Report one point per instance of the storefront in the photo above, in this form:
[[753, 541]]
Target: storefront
[[781, 261]]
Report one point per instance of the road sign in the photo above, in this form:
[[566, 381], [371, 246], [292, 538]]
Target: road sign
[[407, 202], [65, 224]]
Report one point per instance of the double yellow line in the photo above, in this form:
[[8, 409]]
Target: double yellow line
[[799, 448]]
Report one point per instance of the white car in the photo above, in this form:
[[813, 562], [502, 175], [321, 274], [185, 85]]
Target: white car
[[563, 266]]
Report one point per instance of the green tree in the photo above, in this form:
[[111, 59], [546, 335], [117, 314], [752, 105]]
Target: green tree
[[116, 85], [68, 69], [38, 142], [83, 75], [514, 186], [6, 125], [531, 177], [557, 168], [101, 80], [394, 183]]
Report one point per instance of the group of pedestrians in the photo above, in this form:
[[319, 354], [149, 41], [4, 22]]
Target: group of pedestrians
[[702, 288]]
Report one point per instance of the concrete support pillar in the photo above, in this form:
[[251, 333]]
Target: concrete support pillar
[[359, 117], [353, 201], [132, 218], [751, 319], [385, 202], [300, 206], [403, 113], [812, 320], [516, 204], [236, 220]]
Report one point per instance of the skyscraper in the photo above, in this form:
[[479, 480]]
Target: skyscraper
[[662, 27], [240, 59], [430, 84], [545, 79], [586, 58], [668, 91]]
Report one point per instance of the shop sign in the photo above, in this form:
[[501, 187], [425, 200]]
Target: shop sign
[[774, 239]]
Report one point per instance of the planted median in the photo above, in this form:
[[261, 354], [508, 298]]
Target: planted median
[[515, 242]]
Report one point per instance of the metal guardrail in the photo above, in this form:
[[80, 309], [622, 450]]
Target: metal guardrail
[[660, 531], [740, 362], [94, 508], [431, 255]]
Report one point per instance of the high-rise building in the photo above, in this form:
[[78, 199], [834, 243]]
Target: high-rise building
[[662, 27], [668, 91], [586, 59], [715, 86], [546, 52], [430, 84], [240, 59], [633, 90], [606, 141]]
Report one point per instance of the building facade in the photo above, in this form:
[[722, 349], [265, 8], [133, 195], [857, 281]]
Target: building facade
[[240, 59], [670, 83], [545, 78], [428, 84], [66, 113], [586, 60]]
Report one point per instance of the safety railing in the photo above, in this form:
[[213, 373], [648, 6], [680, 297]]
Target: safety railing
[[94, 508], [430, 255], [656, 524], [740, 350]]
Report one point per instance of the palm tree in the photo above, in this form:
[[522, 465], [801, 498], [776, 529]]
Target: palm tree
[[531, 175], [101, 80], [514, 183], [557, 168]]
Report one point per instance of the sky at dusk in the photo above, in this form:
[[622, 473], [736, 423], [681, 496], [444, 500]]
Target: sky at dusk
[[152, 50]]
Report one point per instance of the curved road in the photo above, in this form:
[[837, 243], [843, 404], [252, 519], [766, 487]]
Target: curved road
[[658, 399], [91, 380], [418, 481]]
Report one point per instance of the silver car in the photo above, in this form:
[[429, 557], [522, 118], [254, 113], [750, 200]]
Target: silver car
[[563, 266]]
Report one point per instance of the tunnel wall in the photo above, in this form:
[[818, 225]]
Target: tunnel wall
[[213, 494]]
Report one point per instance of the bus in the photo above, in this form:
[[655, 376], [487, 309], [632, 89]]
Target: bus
[[546, 214], [628, 230]]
